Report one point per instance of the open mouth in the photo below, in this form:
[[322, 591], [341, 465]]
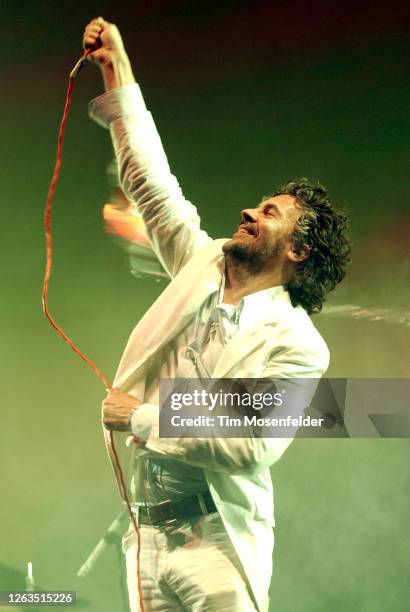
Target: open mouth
[[246, 229]]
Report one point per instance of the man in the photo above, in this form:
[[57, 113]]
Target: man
[[234, 308]]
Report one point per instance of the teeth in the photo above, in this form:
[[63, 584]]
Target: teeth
[[245, 230]]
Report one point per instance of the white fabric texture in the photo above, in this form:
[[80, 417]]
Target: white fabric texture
[[191, 567]]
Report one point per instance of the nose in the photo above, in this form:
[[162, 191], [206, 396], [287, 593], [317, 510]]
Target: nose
[[249, 215]]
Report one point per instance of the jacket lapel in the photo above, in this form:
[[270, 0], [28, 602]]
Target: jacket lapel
[[250, 337], [173, 310], [243, 343]]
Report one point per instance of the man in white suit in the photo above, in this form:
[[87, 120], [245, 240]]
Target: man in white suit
[[235, 308]]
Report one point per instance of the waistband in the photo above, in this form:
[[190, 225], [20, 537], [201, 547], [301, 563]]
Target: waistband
[[170, 511]]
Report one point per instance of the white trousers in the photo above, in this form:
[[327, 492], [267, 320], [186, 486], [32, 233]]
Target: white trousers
[[189, 567]]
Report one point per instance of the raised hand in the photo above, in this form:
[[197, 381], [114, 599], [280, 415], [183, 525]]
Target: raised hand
[[105, 40]]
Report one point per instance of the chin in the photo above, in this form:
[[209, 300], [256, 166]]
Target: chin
[[241, 240], [239, 251], [232, 245], [228, 245], [249, 256]]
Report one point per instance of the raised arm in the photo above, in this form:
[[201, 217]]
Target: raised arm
[[172, 223], [109, 53]]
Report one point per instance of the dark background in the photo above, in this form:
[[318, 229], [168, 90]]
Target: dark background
[[245, 96]]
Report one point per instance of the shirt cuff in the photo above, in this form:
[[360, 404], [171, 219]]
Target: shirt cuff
[[116, 103], [142, 420]]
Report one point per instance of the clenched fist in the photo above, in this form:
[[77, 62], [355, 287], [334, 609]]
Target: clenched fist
[[116, 410], [105, 42], [104, 39]]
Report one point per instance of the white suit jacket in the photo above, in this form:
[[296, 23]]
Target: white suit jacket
[[283, 344]]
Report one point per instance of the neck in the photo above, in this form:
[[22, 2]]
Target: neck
[[240, 281]]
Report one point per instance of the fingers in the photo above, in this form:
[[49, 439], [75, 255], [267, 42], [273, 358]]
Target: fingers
[[96, 26], [116, 393], [116, 410], [91, 40], [92, 33], [120, 400], [97, 22], [109, 398]]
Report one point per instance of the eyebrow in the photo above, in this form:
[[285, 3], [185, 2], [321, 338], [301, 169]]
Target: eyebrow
[[269, 205]]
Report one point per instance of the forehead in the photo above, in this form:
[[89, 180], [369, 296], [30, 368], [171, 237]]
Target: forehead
[[288, 205]]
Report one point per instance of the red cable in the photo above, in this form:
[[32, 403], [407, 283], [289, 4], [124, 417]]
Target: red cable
[[108, 435], [47, 225]]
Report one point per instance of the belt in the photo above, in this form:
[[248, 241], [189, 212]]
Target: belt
[[169, 511]]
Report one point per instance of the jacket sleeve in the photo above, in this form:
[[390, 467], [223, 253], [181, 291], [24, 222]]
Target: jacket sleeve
[[239, 455], [231, 455], [172, 222]]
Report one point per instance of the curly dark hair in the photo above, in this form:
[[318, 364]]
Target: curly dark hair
[[322, 228]]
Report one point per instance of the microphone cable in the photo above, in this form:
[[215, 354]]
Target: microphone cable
[[108, 435]]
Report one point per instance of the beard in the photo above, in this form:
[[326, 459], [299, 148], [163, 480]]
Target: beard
[[249, 257]]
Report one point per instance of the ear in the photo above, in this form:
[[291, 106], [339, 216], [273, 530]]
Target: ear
[[298, 255]]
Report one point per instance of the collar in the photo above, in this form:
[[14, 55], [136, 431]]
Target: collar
[[252, 308]]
